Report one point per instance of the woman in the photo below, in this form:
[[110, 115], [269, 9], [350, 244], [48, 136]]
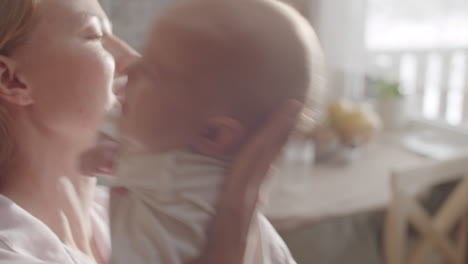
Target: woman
[[58, 65]]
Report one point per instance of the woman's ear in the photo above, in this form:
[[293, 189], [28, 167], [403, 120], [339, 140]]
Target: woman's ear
[[13, 88], [220, 136]]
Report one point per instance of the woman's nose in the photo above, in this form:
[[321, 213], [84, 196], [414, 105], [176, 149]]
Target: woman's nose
[[124, 56]]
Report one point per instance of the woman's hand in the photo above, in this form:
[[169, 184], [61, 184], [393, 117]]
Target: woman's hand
[[227, 236], [101, 158]]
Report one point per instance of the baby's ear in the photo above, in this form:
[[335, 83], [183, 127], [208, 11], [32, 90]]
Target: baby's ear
[[220, 136]]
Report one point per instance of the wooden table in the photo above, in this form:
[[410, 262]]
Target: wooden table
[[306, 193], [332, 214]]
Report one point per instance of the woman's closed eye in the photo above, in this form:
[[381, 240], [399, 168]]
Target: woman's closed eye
[[94, 33], [94, 30], [95, 37]]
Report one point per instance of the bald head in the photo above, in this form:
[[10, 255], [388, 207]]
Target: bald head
[[242, 58]]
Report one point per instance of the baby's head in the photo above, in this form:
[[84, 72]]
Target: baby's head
[[213, 70]]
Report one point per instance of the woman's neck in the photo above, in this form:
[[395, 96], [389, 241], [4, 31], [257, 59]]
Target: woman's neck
[[44, 181]]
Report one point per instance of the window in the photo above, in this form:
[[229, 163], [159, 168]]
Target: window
[[424, 44]]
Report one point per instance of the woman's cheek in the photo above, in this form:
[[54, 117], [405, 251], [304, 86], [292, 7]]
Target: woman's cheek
[[108, 77], [103, 69], [99, 66]]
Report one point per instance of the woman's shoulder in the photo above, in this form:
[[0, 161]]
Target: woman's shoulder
[[25, 238], [100, 218], [22, 236]]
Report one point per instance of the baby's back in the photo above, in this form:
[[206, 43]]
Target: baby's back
[[169, 203]]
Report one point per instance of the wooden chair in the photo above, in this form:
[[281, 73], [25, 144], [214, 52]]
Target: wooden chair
[[445, 233]]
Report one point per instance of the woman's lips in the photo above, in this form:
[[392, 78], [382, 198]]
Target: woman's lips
[[119, 86]]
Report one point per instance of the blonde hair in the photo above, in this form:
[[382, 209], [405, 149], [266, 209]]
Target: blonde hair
[[16, 21]]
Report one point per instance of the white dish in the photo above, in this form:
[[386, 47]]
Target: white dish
[[434, 140]]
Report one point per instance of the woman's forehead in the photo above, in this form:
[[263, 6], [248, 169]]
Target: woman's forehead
[[71, 12]]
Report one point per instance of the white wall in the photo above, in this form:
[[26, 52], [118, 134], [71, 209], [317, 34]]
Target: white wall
[[340, 25], [131, 19]]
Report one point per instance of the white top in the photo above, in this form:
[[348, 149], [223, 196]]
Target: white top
[[24, 239], [164, 216]]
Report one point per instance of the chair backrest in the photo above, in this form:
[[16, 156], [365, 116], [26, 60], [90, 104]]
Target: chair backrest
[[436, 231]]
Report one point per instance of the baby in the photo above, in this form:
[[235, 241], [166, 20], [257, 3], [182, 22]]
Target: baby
[[212, 71]]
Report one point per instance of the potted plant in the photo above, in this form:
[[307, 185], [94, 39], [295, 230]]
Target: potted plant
[[390, 104]]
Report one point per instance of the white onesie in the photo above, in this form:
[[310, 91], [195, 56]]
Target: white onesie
[[171, 200]]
